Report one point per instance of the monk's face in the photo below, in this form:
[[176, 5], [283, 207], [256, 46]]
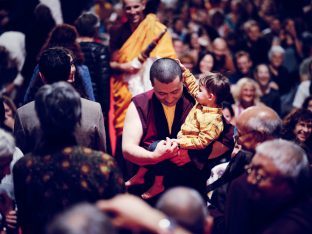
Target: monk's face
[[134, 11], [168, 94]]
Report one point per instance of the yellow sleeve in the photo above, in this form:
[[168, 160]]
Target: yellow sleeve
[[210, 129], [190, 83]]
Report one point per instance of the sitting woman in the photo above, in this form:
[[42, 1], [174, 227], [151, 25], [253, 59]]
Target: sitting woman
[[297, 126], [269, 90], [246, 93]]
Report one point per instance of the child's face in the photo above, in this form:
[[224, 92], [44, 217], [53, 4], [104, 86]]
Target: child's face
[[202, 96]]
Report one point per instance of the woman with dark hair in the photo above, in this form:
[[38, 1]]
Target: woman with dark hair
[[65, 35], [3, 124], [205, 63], [268, 88], [297, 126], [228, 112], [307, 104], [10, 110]]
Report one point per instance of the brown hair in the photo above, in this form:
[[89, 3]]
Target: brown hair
[[217, 84]]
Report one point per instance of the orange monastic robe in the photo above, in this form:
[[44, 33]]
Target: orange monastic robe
[[145, 33]]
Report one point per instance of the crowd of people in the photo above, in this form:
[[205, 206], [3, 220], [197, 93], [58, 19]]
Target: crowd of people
[[156, 116]]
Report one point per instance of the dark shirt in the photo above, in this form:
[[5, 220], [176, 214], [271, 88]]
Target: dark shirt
[[47, 184], [97, 60], [273, 100]]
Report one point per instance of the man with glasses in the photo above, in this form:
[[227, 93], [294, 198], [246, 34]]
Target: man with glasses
[[255, 125], [277, 191]]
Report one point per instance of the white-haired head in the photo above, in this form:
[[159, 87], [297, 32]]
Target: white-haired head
[[289, 158], [276, 50], [7, 144]]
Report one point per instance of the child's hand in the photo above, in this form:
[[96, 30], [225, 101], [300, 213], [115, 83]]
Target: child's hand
[[183, 68], [173, 142]]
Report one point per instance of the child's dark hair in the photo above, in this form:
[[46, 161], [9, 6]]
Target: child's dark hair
[[217, 84]]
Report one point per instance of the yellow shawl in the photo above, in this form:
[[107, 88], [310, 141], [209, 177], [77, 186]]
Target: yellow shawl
[[145, 33]]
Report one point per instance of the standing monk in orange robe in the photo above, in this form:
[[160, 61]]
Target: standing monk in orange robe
[[127, 41]]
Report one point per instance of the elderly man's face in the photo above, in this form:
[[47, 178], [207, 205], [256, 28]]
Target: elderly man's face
[[265, 180], [168, 94], [277, 59]]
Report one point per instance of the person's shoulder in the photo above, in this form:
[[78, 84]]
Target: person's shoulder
[[88, 104], [119, 28], [90, 154], [24, 162], [29, 107], [143, 96]]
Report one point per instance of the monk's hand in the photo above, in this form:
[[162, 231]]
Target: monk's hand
[[165, 150], [181, 158]]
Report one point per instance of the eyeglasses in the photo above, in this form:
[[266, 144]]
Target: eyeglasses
[[250, 169]]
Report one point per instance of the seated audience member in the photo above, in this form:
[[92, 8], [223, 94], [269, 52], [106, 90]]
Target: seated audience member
[[275, 195], [10, 111], [159, 113], [307, 104], [3, 119], [187, 208], [55, 65], [256, 46], [269, 89], [9, 154], [304, 90], [81, 219], [205, 64], [243, 67], [255, 125], [286, 82], [228, 112], [297, 127], [60, 173], [202, 126], [246, 93], [223, 61], [130, 212]]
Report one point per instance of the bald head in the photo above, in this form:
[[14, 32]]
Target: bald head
[[219, 47], [261, 123], [187, 207]]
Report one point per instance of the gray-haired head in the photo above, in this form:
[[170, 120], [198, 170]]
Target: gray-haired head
[[81, 219], [276, 50], [58, 108], [288, 157], [165, 70], [7, 144], [186, 207]]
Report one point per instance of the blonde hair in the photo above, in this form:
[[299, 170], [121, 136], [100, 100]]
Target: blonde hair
[[237, 89]]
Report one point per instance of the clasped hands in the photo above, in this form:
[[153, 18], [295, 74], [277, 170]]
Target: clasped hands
[[169, 149]]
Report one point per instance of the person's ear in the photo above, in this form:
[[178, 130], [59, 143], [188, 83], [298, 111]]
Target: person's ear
[[143, 2], [42, 78], [208, 225], [211, 96]]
